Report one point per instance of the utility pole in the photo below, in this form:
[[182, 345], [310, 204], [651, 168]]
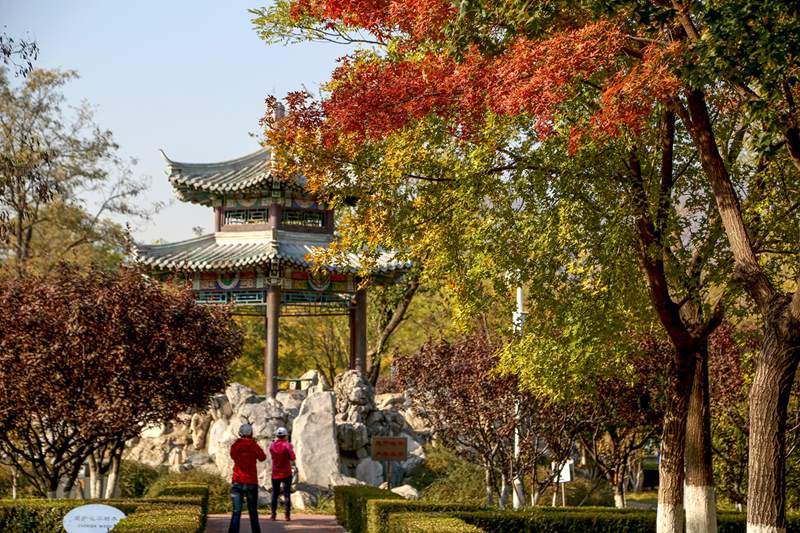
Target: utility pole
[[518, 496]]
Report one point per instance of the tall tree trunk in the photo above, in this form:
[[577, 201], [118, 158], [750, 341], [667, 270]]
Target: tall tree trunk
[[536, 493], [95, 479], [769, 397], [776, 365], [113, 475], [699, 498], [488, 483], [619, 493], [670, 515], [503, 500]]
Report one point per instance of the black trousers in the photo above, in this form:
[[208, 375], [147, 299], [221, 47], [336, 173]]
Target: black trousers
[[287, 486]]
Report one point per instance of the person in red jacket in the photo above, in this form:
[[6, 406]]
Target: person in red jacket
[[282, 456], [245, 452]]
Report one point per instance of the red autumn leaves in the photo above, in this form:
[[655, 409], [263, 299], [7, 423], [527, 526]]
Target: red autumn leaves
[[372, 96]]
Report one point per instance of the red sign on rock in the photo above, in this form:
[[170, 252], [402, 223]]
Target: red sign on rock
[[389, 449]]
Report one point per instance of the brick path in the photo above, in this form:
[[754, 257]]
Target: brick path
[[218, 523]]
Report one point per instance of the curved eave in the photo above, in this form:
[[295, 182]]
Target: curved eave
[[216, 252], [250, 173]]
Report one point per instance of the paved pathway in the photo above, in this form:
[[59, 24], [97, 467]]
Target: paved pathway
[[218, 523]]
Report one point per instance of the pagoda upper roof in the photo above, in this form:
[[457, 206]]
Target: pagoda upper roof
[[202, 182], [244, 250]]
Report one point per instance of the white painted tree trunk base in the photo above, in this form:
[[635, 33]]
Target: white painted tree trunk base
[[669, 518], [619, 501], [752, 528], [701, 509]]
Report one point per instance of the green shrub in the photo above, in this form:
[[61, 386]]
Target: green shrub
[[219, 490], [178, 508], [351, 505], [135, 478], [446, 477], [32, 518], [428, 523], [379, 511]]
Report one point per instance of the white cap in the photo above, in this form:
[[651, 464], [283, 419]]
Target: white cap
[[281, 432], [245, 430]]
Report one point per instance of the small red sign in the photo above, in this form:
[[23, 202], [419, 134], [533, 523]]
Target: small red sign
[[389, 449]]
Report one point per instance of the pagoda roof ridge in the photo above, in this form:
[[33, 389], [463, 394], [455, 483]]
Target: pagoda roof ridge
[[259, 155], [202, 182]]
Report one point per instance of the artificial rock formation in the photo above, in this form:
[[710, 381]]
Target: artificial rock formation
[[358, 419], [331, 432]]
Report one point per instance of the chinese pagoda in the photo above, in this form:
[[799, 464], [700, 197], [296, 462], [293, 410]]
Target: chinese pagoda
[[258, 257]]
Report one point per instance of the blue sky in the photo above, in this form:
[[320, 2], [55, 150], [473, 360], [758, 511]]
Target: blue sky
[[186, 76]]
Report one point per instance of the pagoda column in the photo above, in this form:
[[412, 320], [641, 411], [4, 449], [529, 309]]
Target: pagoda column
[[351, 315], [360, 341], [271, 349]]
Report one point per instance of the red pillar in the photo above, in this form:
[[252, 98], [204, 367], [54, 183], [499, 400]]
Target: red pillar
[[271, 349], [361, 330], [351, 315]]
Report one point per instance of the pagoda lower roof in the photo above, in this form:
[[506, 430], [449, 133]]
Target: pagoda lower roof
[[244, 250]]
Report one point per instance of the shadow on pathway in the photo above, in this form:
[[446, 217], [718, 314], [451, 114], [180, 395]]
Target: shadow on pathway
[[218, 523]]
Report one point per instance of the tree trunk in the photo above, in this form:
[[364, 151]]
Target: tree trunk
[[14, 479], [535, 493], [636, 473], [769, 397], [503, 500], [94, 478], [619, 493], [699, 498], [113, 475], [775, 368], [488, 482], [670, 515]]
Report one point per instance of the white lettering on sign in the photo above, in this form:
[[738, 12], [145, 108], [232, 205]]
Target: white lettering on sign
[[94, 517]]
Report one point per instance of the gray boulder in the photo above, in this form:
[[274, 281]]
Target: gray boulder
[[351, 436], [265, 416], [353, 389], [407, 491], [370, 472], [220, 407], [416, 454], [337, 479], [303, 500], [239, 394], [314, 439]]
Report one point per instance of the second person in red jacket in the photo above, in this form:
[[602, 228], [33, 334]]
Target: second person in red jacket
[[282, 456]]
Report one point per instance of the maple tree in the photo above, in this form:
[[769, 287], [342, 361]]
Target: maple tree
[[589, 73], [87, 359], [625, 412], [476, 413]]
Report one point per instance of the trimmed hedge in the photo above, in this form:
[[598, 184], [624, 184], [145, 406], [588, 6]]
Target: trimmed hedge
[[595, 520], [562, 521], [180, 508], [428, 523], [379, 511], [351, 505]]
